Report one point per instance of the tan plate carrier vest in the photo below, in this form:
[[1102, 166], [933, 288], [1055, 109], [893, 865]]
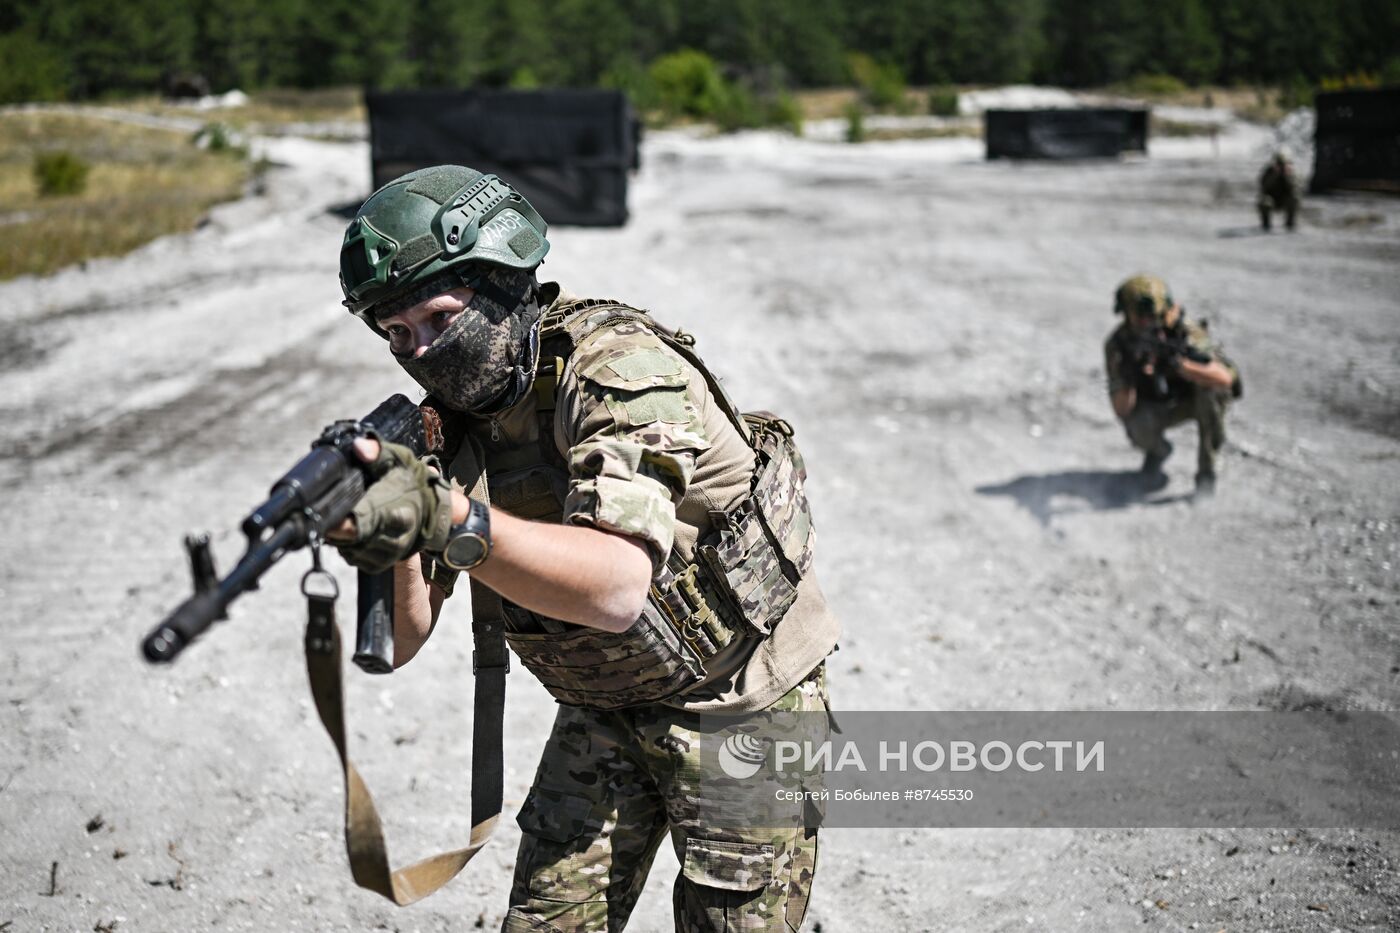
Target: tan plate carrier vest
[[746, 569]]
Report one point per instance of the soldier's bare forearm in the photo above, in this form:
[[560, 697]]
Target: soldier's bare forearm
[[573, 573], [1211, 375], [1124, 401], [416, 604]]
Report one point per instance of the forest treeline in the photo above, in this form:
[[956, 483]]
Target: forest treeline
[[85, 49]]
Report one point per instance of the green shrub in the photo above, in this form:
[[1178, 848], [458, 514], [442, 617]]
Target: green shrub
[[881, 84], [943, 102], [33, 69], [781, 110], [855, 123], [60, 173], [524, 79], [1296, 93], [737, 109], [1390, 71], [688, 83], [1154, 85], [742, 109], [626, 75], [213, 136]]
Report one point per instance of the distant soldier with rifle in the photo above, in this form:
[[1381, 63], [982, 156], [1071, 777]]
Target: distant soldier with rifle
[[1163, 370], [643, 546], [1278, 191]]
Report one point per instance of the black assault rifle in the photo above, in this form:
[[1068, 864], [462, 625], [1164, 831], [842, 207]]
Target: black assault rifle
[[310, 499], [1163, 352]]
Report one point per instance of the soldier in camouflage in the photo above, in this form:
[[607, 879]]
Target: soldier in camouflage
[[1164, 370], [650, 548], [1278, 191]]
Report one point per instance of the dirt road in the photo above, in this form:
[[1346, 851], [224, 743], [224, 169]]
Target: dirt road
[[930, 323]]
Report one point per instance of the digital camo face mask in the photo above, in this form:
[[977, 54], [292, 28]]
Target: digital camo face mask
[[485, 361]]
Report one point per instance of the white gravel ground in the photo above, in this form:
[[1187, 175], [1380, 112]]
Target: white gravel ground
[[931, 324]]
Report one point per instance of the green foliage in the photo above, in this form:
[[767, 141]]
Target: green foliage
[[688, 83], [943, 102], [59, 174], [90, 49], [214, 137], [738, 109], [32, 70], [742, 109], [1154, 85], [1296, 93], [524, 79], [628, 76], [880, 83], [855, 123], [781, 110]]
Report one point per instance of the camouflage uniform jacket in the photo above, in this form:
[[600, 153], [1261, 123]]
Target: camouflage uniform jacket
[[1192, 333], [1279, 185], [636, 444]]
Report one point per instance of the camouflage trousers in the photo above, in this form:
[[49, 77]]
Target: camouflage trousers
[[1149, 420], [1267, 206], [611, 786]]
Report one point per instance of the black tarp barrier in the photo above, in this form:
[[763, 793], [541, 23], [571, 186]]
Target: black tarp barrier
[[1087, 133], [1357, 141], [568, 151]]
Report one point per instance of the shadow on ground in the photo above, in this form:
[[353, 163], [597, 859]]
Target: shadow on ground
[[1230, 233], [1050, 494]]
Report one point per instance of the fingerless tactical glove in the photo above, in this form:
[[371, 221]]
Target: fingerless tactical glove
[[407, 509]]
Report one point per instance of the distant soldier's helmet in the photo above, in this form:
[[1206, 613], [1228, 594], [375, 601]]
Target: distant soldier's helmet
[[1144, 294], [444, 225]]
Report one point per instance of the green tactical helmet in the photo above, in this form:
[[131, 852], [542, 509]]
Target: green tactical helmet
[[427, 222], [1145, 293]]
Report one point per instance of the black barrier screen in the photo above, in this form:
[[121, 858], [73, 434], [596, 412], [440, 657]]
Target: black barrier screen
[[1358, 140], [1088, 133], [568, 151]]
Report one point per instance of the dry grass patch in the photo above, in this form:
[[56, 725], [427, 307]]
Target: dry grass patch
[[268, 110], [967, 130], [143, 183]]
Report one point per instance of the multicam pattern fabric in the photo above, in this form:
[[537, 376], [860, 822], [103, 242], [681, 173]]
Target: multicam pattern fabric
[[640, 441], [608, 670], [1278, 186], [1196, 335], [1149, 420], [612, 785], [782, 499], [633, 440], [746, 559], [1147, 423]]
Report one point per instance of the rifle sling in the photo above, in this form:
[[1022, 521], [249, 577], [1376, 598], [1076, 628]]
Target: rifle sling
[[364, 834]]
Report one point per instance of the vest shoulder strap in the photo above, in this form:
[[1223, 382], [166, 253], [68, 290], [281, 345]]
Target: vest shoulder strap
[[580, 319]]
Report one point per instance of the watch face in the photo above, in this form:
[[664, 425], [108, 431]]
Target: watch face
[[464, 551]]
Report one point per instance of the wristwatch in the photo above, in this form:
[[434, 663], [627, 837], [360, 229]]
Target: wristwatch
[[469, 543]]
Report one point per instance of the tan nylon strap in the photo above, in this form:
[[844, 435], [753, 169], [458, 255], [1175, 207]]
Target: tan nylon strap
[[364, 834]]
